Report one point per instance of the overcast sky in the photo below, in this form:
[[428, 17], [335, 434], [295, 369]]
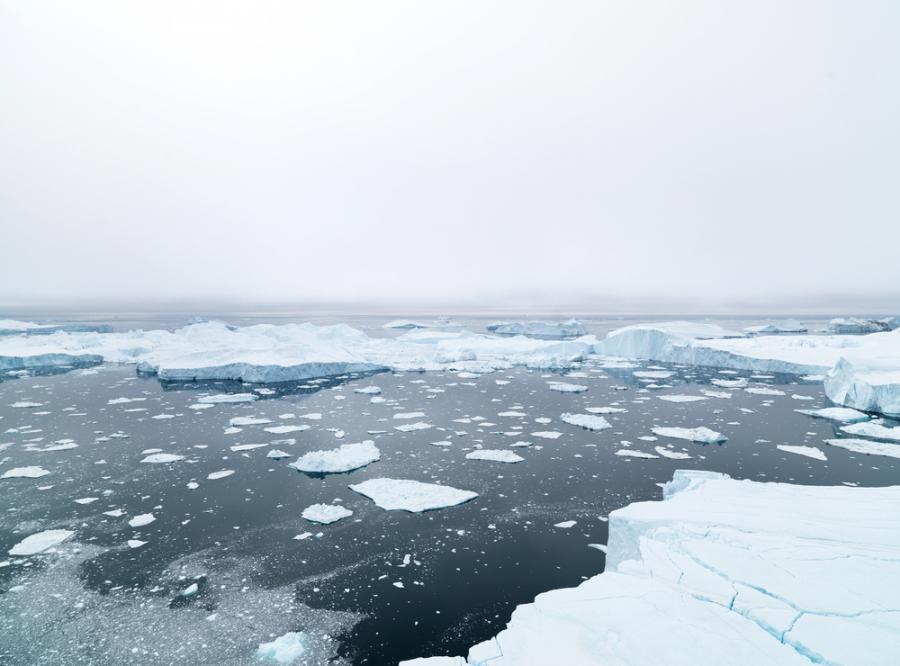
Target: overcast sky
[[587, 155]]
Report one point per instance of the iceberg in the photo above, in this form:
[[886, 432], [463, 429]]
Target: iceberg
[[869, 384], [566, 387], [866, 447], [542, 329], [228, 397], [404, 324], [494, 455], [17, 327], [30, 472], [38, 543], [345, 458], [777, 328], [726, 572], [285, 649], [842, 414], [412, 496], [586, 421], [326, 513], [808, 451], [142, 519], [702, 434], [159, 458], [874, 429], [856, 326]]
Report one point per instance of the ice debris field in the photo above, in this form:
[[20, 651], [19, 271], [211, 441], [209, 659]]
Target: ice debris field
[[314, 494]]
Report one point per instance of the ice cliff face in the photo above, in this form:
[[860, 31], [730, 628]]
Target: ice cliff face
[[725, 572]]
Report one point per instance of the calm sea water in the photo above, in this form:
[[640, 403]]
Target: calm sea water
[[463, 569]]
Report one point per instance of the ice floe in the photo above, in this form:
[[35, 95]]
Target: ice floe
[[286, 649], [29, 472], [702, 434], [158, 458], [866, 446], [345, 458], [586, 421], [326, 513], [842, 414], [543, 329], [495, 455], [228, 398], [874, 429], [38, 543], [409, 495], [566, 387], [808, 451], [142, 519]]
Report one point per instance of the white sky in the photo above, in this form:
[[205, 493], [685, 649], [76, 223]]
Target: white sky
[[606, 155]]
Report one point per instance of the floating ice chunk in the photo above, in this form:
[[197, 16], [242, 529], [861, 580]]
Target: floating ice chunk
[[682, 398], [123, 401], [653, 374], [520, 444], [413, 496], [228, 397], [30, 472], [246, 447], [326, 513], [136, 543], [566, 524], [86, 500], [872, 383], [855, 326], [233, 431], [605, 410], [312, 416], [547, 434], [763, 390], [777, 328], [221, 474], [286, 649], [142, 519], [434, 661], [248, 421], [808, 451], [201, 406], [114, 513], [404, 324], [730, 383], [565, 387], [443, 443], [409, 415], [410, 427], [368, 390], [866, 446], [38, 543], [283, 429], [669, 453], [702, 434], [190, 590], [842, 414], [632, 453], [277, 454], [158, 458], [586, 421], [542, 329], [874, 429], [345, 458], [512, 413], [495, 455], [716, 394], [599, 546]]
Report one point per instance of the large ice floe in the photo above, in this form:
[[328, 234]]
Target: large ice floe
[[273, 353], [541, 329], [412, 496], [345, 458], [863, 371], [725, 572]]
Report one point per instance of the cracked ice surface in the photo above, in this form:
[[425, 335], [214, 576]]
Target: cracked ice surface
[[726, 571]]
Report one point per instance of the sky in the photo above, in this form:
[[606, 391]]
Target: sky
[[588, 156]]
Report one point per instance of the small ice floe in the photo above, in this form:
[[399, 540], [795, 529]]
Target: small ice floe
[[286, 649], [190, 590], [797, 396], [30, 472], [702, 434], [368, 390], [221, 474], [410, 427], [715, 394], [162, 417], [62, 445], [232, 430], [277, 454], [443, 443], [677, 397], [248, 421], [495, 455], [409, 415], [669, 453], [136, 543], [511, 413], [631, 453], [566, 524], [312, 416], [86, 500], [157, 458], [763, 390], [246, 447], [123, 401], [653, 374], [228, 397], [114, 513], [409, 495], [866, 447], [730, 383], [598, 546], [813, 378], [404, 324], [192, 485], [521, 444], [875, 429], [842, 414], [547, 434], [566, 387], [142, 519], [38, 543], [345, 458], [808, 451], [605, 410], [586, 421], [199, 406], [283, 429], [326, 513], [26, 404]]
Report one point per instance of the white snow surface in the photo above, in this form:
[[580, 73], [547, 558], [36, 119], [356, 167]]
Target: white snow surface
[[345, 458], [409, 495], [726, 572]]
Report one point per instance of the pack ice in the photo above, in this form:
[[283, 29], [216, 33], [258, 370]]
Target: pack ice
[[725, 572]]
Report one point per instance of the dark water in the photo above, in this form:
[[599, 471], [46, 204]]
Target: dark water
[[469, 565]]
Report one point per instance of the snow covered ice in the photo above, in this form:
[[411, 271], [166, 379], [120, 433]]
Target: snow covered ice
[[345, 458], [326, 513], [702, 434], [494, 455], [586, 421], [38, 543], [543, 329], [409, 495]]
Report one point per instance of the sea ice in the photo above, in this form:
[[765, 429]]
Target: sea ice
[[808, 451], [495, 455], [248, 421], [874, 429], [565, 387], [326, 513], [162, 458], [866, 446], [142, 519], [586, 421], [702, 434], [543, 329], [31, 472], [284, 429], [38, 543], [409, 495], [228, 397], [221, 474], [345, 458], [631, 453], [681, 398], [842, 414], [669, 453], [285, 649]]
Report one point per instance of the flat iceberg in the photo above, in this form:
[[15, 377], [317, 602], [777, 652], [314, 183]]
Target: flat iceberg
[[726, 572], [856, 326], [702, 434], [842, 414], [866, 447], [345, 458], [874, 429], [587, 421], [38, 543], [326, 513], [777, 328], [808, 451], [495, 455], [413, 496], [542, 329]]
